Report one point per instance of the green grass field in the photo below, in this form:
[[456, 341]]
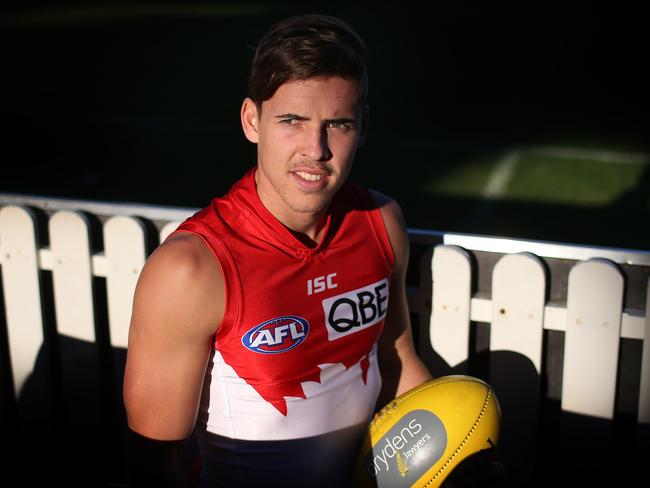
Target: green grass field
[[592, 178]]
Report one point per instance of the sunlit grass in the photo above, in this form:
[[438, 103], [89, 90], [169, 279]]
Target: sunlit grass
[[465, 179], [572, 181], [539, 176]]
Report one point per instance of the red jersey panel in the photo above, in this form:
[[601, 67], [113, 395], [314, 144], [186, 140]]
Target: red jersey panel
[[295, 354]]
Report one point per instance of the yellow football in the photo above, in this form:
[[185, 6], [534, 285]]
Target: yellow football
[[421, 436]]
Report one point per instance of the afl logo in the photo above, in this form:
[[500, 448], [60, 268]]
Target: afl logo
[[276, 335]]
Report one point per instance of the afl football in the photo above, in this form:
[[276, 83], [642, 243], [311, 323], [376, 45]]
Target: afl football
[[422, 435]]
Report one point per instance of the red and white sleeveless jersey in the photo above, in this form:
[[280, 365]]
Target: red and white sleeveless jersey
[[295, 355]]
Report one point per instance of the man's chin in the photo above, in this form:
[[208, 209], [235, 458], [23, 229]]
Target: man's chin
[[316, 211], [315, 207]]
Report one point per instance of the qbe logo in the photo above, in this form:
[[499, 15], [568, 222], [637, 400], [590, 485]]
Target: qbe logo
[[356, 310], [276, 335]]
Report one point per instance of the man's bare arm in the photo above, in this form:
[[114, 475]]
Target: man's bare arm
[[177, 307], [401, 368]]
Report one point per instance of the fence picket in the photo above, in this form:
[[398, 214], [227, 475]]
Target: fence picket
[[79, 357], [591, 344], [72, 275], [516, 331], [22, 293], [518, 299], [644, 390], [450, 311], [124, 247]]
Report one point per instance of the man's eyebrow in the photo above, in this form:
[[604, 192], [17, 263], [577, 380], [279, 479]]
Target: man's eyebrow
[[291, 116], [340, 120]]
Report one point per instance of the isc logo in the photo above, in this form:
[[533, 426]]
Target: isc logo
[[355, 310], [276, 335]]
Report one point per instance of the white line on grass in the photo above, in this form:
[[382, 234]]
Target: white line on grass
[[501, 175]]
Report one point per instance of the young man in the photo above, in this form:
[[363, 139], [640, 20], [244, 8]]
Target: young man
[[269, 321]]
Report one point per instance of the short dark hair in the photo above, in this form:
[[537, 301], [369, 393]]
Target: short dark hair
[[304, 47]]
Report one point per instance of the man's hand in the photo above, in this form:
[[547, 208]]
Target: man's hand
[[482, 469]]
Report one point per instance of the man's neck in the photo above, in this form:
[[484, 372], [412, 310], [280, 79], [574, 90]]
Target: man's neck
[[310, 233]]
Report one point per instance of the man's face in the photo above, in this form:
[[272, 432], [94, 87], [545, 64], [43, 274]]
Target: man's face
[[307, 136]]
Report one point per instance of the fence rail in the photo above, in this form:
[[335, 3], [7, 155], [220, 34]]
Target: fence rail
[[577, 315]]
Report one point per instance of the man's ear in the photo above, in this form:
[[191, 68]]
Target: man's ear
[[365, 114], [250, 120]]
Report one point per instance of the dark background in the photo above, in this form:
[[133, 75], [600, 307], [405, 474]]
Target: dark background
[[140, 102], [125, 102]]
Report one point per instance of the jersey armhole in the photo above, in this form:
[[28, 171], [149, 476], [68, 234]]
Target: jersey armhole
[[380, 232], [232, 286]]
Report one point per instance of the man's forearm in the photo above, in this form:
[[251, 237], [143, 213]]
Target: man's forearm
[[413, 374]]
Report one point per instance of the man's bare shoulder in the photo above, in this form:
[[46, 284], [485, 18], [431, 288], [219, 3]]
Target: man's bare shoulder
[[395, 225], [184, 253], [182, 278], [389, 207]]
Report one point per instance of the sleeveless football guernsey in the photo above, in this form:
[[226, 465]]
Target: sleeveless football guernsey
[[293, 376]]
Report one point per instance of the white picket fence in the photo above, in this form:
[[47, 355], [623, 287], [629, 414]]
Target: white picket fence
[[592, 317], [593, 314]]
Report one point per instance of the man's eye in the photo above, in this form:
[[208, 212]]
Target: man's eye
[[339, 125], [290, 121]]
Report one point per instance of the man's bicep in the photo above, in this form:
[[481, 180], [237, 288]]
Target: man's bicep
[[169, 343]]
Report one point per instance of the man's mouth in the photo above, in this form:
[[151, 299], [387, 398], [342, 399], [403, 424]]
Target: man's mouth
[[308, 176]]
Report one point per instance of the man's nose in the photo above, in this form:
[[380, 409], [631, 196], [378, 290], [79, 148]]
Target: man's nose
[[315, 144]]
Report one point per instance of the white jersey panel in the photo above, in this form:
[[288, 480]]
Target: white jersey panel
[[340, 400]]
